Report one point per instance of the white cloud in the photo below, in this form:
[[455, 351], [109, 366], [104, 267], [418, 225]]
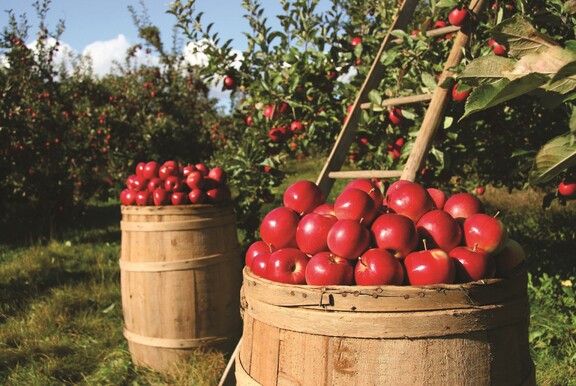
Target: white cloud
[[103, 54]]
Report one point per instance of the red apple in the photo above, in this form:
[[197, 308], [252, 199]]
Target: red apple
[[567, 188], [459, 96], [463, 205], [472, 264], [218, 175], [377, 266], [396, 233], [140, 169], [325, 208], [312, 232], [287, 265], [255, 249], [480, 190], [195, 180], [348, 238], [202, 168], [440, 230], [143, 198], [128, 197], [173, 184], [369, 187], [325, 268], [395, 116], [151, 170], [355, 204], [168, 168], [498, 48], [296, 126], [229, 83], [458, 16], [136, 183], [278, 228], [355, 41], [411, 200], [217, 194], [179, 198], [154, 183], [431, 266], [260, 264], [510, 257], [197, 196], [186, 170], [393, 186], [270, 111], [160, 197], [438, 197], [485, 232], [303, 196]]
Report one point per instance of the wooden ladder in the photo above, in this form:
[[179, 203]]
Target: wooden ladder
[[434, 114]]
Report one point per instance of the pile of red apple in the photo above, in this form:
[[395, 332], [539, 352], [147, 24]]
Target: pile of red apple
[[412, 235], [172, 183]]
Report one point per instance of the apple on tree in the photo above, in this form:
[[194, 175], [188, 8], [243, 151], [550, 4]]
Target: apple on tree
[[458, 16], [567, 188]]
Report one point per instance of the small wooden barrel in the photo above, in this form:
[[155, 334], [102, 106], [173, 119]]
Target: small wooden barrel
[[180, 281], [465, 334]]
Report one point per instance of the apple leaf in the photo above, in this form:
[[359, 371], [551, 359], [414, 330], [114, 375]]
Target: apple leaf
[[447, 3], [489, 68], [491, 94], [521, 37], [375, 97], [429, 81], [554, 157]]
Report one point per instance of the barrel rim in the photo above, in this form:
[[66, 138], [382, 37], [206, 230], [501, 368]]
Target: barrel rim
[[172, 209]]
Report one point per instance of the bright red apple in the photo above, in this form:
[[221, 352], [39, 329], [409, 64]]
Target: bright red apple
[[355, 204], [459, 96], [396, 233], [173, 184], [303, 196], [128, 197], [260, 264], [312, 232], [431, 266], [325, 268], [348, 238], [326, 208], [179, 198], [440, 230], [168, 168], [393, 186], [472, 264], [151, 169], [160, 197], [202, 168], [140, 169], [255, 249], [278, 227], [143, 198], [463, 205], [377, 266], [219, 175], [411, 200], [395, 116], [438, 197], [369, 187], [485, 232], [497, 48], [288, 266], [567, 188], [155, 183], [355, 41], [195, 180], [458, 16], [186, 170]]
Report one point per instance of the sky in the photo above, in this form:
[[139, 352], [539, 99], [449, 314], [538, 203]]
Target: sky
[[105, 29]]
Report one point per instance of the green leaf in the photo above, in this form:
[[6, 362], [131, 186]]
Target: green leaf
[[375, 97], [447, 3], [429, 81], [491, 94], [553, 158], [521, 37], [489, 68]]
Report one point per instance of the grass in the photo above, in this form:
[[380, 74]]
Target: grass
[[61, 317]]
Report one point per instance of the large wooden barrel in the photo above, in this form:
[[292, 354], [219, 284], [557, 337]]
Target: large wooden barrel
[[181, 273], [461, 334]]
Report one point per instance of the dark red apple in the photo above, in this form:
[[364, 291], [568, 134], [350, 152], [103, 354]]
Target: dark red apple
[[411, 200], [377, 266], [143, 198], [431, 266], [472, 264], [458, 16], [288, 266], [440, 230], [173, 184], [510, 257], [151, 170], [168, 168], [438, 197], [396, 233], [278, 227], [160, 197], [325, 208], [497, 48], [197, 196], [202, 168], [186, 170], [260, 264], [485, 232], [218, 175], [348, 238], [303, 196], [140, 169], [155, 183], [459, 96], [395, 116], [179, 198], [296, 126], [325, 268], [229, 83], [128, 197], [463, 205], [355, 204], [393, 186], [195, 180], [312, 232]]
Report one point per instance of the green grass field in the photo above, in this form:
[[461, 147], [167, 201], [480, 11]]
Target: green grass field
[[61, 318]]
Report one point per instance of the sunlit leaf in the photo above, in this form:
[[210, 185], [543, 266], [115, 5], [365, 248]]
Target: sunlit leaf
[[488, 68], [521, 37], [554, 157]]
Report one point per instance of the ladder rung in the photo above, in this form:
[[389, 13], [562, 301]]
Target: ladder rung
[[400, 101], [366, 174], [442, 31]]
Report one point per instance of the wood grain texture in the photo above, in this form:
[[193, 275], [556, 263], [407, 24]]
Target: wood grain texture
[[180, 272]]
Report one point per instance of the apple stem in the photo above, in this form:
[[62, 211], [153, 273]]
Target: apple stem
[[475, 247], [425, 246], [361, 220], [496, 214]]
